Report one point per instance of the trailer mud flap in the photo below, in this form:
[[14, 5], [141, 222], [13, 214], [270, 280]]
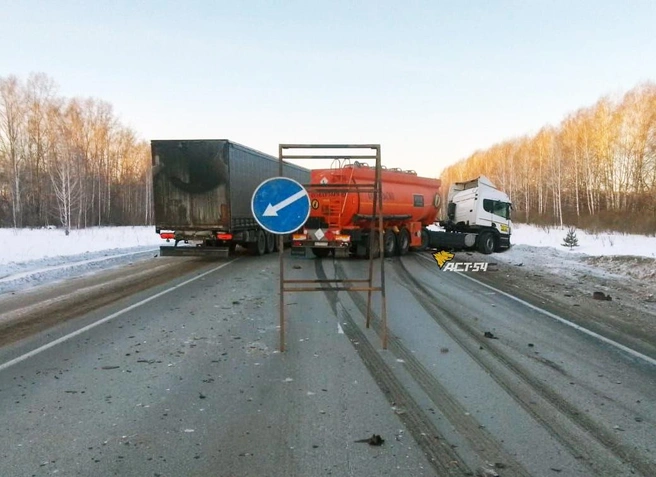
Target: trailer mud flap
[[170, 251]]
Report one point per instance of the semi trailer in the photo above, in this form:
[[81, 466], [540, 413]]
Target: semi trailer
[[344, 220], [202, 192], [478, 215]]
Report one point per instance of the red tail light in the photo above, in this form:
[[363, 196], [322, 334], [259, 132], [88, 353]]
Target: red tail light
[[224, 236], [167, 235]]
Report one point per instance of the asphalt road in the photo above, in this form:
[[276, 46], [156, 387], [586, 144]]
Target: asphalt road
[[185, 379]]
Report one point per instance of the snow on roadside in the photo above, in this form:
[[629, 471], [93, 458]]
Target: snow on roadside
[[24, 245], [604, 255], [598, 244], [31, 257]]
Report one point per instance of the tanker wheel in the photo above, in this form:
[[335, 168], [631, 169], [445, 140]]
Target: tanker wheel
[[376, 245], [270, 242], [403, 241], [389, 243], [232, 247], [320, 252]]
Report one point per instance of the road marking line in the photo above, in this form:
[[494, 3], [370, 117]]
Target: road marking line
[[564, 321], [339, 329], [38, 350]]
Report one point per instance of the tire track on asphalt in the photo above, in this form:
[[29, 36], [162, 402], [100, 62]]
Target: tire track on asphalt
[[480, 440], [439, 453], [579, 433]]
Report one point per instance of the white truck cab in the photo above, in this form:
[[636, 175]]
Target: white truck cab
[[478, 207]]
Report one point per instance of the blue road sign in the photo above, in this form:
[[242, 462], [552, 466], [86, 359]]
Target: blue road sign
[[280, 205]]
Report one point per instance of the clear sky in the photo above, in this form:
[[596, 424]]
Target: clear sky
[[430, 81]]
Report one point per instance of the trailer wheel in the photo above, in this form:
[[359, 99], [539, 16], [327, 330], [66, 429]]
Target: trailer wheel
[[486, 243], [389, 243], [270, 242], [403, 241], [376, 245], [320, 252], [259, 246]]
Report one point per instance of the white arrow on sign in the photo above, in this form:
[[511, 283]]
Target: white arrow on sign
[[272, 210]]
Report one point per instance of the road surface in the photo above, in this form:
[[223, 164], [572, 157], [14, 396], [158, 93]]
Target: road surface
[[177, 372]]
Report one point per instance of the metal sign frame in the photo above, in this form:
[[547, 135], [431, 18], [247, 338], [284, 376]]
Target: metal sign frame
[[377, 217]]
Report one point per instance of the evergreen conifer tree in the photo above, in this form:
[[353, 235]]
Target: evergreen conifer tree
[[570, 239]]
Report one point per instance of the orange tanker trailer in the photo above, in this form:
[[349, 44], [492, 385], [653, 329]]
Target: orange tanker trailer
[[344, 220]]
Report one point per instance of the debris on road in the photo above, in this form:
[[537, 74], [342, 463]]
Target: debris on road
[[490, 335], [484, 472], [374, 440], [601, 296]]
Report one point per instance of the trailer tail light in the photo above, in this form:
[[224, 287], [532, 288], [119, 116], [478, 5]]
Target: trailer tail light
[[297, 244], [343, 238], [167, 235], [224, 236], [299, 237]]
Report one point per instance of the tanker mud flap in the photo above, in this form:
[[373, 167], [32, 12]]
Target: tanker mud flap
[[171, 251]]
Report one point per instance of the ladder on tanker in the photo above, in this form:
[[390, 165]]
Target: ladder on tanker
[[336, 206]]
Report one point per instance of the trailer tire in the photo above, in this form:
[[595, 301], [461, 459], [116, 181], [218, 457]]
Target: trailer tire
[[403, 239], [232, 247], [259, 246], [389, 243], [320, 252], [270, 242], [376, 245], [486, 243]]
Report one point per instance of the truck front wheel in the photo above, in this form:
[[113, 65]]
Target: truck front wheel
[[486, 243]]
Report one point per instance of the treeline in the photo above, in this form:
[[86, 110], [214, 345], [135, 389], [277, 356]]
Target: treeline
[[595, 170], [68, 162]]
